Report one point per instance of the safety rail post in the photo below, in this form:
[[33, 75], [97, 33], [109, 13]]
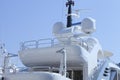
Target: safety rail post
[[22, 46], [63, 65], [37, 44], [52, 42]]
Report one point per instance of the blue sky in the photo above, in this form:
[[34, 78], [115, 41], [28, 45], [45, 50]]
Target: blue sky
[[22, 20]]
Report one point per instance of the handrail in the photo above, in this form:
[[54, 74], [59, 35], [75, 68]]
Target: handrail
[[39, 68], [50, 42], [36, 43]]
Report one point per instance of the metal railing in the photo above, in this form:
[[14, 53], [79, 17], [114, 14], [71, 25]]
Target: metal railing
[[37, 43], [50, 42]]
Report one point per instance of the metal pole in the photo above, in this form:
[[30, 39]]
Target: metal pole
[[63, 64], [69, 17]]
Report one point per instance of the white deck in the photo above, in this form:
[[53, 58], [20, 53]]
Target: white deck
[[35, 76]]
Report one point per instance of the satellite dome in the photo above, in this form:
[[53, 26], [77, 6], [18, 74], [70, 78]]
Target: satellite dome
[[58, 26], [88, 25]]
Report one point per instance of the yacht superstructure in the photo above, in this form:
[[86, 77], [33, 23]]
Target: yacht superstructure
[[72, 55]]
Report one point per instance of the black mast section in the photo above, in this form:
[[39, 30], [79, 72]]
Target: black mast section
[[69, 4]]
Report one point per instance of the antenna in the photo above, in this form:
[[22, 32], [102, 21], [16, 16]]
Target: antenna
[[2, 49], [69, 17]]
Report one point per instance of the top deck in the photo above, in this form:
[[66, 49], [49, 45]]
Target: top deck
[[50, 42]]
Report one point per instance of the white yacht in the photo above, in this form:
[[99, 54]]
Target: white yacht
[[74, 54]]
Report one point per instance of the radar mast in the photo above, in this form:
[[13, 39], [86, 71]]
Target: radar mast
[[69, 4]]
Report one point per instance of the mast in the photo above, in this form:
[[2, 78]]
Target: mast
[[69, 4]]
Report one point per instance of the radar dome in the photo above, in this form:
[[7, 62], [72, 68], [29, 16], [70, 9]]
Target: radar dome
[[88, 25], [58, 27]]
